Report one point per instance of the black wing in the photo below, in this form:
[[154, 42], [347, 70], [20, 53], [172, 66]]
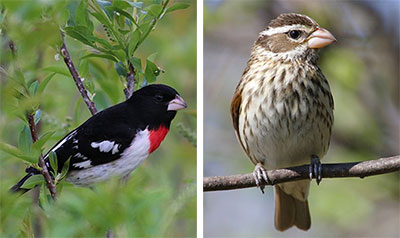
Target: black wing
[[101, 139]]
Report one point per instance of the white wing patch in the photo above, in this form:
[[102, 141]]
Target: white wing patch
[[115, 149], [106, 146], [84, 165], [80, 156], [130, 159]]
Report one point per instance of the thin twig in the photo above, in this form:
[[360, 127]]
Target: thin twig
[[130, 82], [42, 164], [75, 75], [356, 169]]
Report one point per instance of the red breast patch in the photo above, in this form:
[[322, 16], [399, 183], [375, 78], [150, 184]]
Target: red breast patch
[[156, 136]]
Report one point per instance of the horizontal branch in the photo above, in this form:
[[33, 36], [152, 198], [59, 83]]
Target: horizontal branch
[[356, 169], [75, 75]]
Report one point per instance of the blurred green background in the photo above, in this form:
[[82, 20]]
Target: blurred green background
[[160, 198], [362, 68]]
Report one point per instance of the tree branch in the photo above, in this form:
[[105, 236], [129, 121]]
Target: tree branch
[[75, 75], [356, 169], [130, 82], [42, 164]]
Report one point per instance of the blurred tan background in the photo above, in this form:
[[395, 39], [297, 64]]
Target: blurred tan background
[[363, 71]]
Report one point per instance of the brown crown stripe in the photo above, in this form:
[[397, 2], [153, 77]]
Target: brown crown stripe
[[291, 19]]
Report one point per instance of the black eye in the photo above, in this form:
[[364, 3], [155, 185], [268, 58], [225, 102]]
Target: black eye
[[294, 34], [159, 97]]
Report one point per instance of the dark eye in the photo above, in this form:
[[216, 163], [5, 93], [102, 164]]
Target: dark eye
[[159, 97], [294, 34]]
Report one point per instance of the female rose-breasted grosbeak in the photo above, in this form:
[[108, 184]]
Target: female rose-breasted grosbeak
[[116, 140], [282, 110]]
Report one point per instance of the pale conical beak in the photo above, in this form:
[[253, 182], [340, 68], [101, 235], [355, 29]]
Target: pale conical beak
[[320, 38], [177, 104]]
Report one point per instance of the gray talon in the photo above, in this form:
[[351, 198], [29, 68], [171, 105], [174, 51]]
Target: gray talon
[[316, 169], [260, 175]]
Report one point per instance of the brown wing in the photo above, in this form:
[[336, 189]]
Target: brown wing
[[235, 110]]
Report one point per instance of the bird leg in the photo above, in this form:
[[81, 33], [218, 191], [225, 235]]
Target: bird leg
[[260, 176], [315, 169]]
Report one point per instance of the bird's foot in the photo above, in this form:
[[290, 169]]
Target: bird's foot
[[260, 176], [315, 169]]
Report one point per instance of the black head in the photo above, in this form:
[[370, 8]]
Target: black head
[[157, 104]]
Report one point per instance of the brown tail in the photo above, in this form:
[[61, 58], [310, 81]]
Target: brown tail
[[290, 211]]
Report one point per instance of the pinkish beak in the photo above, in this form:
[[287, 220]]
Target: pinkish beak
[[320, 38], [177, 104]]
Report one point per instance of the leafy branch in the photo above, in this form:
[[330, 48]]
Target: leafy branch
[[44, 170], [127, 25], [75, 75], [355, 169]]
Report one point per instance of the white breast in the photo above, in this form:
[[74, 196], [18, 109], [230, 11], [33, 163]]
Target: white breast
[[275, 133], [130, 159]]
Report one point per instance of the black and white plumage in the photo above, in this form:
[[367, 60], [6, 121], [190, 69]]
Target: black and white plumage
[[116, 140]]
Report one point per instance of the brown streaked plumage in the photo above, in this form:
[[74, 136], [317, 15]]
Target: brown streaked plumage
[[282, 110]]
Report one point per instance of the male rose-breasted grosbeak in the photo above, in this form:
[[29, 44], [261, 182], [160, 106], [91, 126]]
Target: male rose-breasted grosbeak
[[116, 140], [282, 110]]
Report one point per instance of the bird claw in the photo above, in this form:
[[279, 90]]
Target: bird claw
[[315, 169], [260, 176]]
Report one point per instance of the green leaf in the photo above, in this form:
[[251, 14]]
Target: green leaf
[[82, 16], [33, 87], [53, 161], [89, 85], [145, 27], [14, 151], [60, 186], [152, 57], [72, 6], [57, 69], [134, 39], [119, 54], [78, 35], [37, 116], [44, 83], [177, 6], [104, 43], [33, 181], [154, 10], [137, 64], [84, 68], [9, 149], [127, 15], [120, 4], [101, 18], [120, 68], [38, 145], [104, 56], [151, 71], [65, 168], [25, 140], [20, 78]]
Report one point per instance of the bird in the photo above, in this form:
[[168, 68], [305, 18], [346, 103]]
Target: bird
[[282, 110], [115, 141]]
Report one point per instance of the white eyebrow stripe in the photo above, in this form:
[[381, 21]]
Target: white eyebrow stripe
[[281, 29]]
